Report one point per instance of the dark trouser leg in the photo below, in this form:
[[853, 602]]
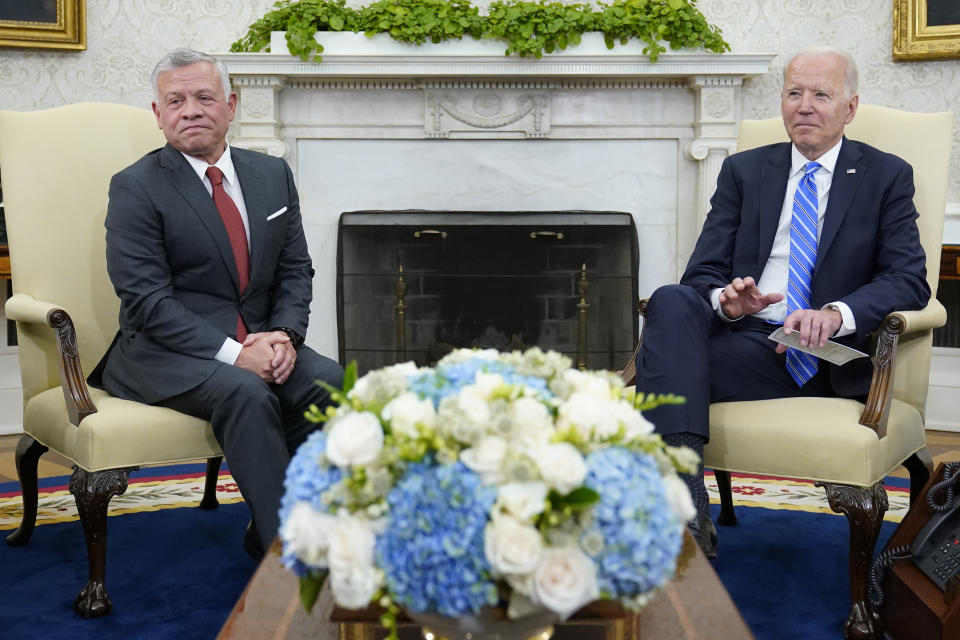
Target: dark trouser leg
[[260, 425], [673, 358]]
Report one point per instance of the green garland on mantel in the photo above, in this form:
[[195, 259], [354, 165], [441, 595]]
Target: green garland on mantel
[[528, 28]]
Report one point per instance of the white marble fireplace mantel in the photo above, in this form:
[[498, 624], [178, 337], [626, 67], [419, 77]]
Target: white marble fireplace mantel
[[460, 127]]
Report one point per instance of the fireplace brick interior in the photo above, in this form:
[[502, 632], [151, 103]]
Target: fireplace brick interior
[[506, 280]]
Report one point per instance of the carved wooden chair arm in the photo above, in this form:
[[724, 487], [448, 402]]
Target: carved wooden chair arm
[[25, 308], [876, 411]]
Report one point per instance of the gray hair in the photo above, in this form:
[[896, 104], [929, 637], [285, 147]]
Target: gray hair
[[184, 58], [851, 76]]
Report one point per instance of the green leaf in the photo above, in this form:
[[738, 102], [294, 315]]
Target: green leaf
[[349, 376], [675, 4], [336, 23], [578, 499], [310, 586]]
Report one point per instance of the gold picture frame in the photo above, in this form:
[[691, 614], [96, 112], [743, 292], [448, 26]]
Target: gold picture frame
[[44, 24], [914, 38]]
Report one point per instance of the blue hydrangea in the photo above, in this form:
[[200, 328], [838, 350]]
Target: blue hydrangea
[[432, 549], [641, 535], [306, 481], [449, 379]]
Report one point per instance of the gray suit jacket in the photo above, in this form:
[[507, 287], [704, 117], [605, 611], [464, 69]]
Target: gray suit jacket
[[170, 261]]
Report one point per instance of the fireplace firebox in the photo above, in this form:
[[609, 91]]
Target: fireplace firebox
[[413, 285]]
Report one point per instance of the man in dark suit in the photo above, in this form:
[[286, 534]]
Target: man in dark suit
[[206, 251], [818, 235]]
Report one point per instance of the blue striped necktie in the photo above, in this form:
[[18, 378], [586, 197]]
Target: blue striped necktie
[[803, 256]]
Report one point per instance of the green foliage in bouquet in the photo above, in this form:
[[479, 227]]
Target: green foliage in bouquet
[[527, 28]]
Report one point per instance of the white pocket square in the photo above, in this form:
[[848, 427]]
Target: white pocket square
[[277, 213]]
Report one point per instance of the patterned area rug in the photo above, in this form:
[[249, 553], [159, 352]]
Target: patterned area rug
[[149, 489], [182, 486]]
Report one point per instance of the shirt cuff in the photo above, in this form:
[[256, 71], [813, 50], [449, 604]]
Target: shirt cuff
[[229, 351], [715, 303], [849, 325]]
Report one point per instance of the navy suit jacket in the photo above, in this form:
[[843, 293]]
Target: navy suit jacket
[[171, 264], [869, 254]]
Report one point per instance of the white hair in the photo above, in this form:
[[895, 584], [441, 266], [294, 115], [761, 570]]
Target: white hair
[[184, 58], [851, 76]]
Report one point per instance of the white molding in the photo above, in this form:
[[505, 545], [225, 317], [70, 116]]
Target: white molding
[[943, 410], [951, 224]]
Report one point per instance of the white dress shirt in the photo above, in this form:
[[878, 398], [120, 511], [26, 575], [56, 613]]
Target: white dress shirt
[[230, 349], [774, 276]]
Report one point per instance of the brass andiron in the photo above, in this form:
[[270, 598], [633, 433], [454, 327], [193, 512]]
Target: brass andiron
[[400, 288], [583, 288]]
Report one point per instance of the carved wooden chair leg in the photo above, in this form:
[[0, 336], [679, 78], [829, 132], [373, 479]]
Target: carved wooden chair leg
[[210, 488], [92, 493], [727, 517], [920, 466], [27, 457], [864, 508]]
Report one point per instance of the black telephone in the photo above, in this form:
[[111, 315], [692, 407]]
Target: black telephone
[[936, 547]]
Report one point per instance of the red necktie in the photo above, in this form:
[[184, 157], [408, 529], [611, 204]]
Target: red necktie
[[235, 230]]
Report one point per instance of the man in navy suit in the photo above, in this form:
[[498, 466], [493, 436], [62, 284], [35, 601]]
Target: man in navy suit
[[706, 338], [206, 250]]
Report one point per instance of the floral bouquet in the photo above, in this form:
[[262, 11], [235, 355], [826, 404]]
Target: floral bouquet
[[504, 482]]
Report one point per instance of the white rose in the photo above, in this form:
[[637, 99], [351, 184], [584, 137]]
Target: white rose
[[524, 500], [678, 497], [463, 417], [633, 423], [486, 458], [487, 383], [306, 533], [355, 438], [473, 402], [590, 416], [564, 581], [353, 576], [591, 384], [531, 425], [562, 466], [355, 589], [512, 546], [406, 411]]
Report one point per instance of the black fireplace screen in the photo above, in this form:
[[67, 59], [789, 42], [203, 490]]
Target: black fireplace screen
[[413, 285]]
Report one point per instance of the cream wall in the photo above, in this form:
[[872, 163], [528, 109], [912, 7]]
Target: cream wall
[[125, 37]]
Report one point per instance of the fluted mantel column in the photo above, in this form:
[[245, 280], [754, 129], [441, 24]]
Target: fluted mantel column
[[716, 114], [257, 125]]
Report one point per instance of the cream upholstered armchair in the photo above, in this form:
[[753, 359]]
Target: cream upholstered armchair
[[56, 167], [846, 446]]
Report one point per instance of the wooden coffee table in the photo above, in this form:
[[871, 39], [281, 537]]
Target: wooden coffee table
[[694, 606]]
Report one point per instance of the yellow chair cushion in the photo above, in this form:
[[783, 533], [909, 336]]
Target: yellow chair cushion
[[816, 439], [121, 434]]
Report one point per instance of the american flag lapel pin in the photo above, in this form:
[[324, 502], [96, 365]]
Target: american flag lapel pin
[[851, 170]]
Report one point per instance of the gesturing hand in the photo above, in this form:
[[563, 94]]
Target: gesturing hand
[[741, 298]]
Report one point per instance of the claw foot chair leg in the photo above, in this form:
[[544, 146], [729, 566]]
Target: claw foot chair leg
[[210, 487], [27, 457], [727, 517], [92, 493], [864, 508]]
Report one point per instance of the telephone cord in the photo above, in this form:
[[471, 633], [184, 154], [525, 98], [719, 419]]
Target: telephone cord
[[880, 564]]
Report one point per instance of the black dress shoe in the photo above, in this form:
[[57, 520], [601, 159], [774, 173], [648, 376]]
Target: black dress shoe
[[251, 542], [703, 531]]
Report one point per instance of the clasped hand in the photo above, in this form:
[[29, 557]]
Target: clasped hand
[[742, 297], [268, 354]]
